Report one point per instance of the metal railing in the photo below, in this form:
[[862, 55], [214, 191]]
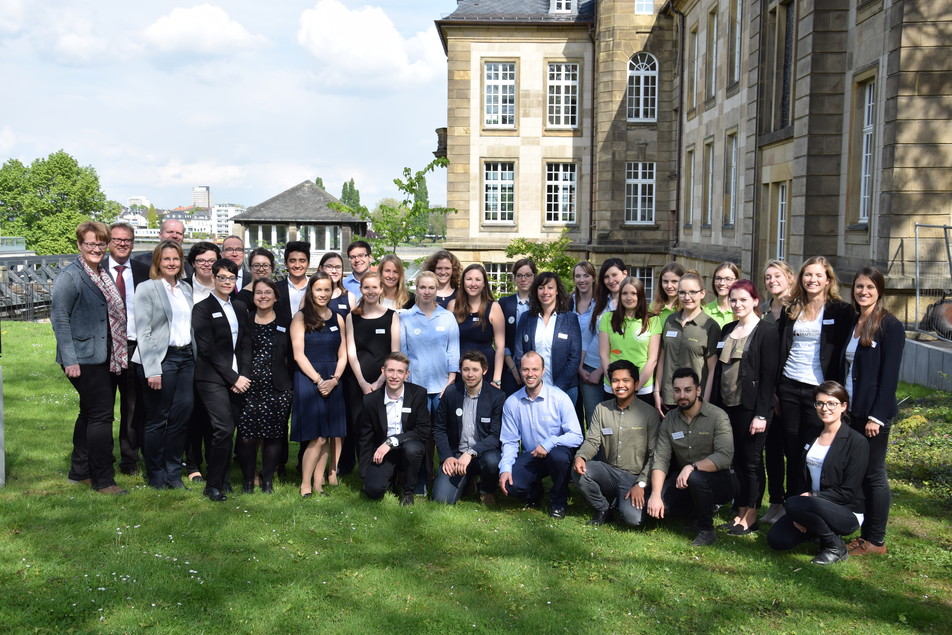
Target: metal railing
[[26, 285], [934, 280]]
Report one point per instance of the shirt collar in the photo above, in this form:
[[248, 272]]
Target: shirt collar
[[389, 399]]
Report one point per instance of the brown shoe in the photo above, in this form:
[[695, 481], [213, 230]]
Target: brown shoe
[[489, 500], [865, 547], [88, 482], [114, 490]]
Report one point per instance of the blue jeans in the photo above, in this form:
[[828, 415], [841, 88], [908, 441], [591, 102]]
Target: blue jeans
[[447, 489], [167, 412], [592, 395]]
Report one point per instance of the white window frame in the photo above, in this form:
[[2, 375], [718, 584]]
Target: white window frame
[[640, 192], [499, 192], [646, 275], [643, 87], [644, 7], [708, 203], [866, 151], [561, 6], [689, 193], [563, 93], [711, 71], [781, 221], [694, 70], [561, 193], [737, 28], [499, 87], [731, 207], [497, 274]]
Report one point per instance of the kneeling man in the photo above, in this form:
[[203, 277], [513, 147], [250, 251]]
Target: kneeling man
[[394, 428], [625, 429], [466, 432], [697, 437], [542, 419]]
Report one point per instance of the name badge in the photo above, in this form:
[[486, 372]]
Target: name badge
[[459, 412], [874, 344], [525, 338], [485, 419], [281, 329], [826, 322], [342, 306], [217, 314], [720, 344], [671, 334], [406, 410], [439, 328], [380, 331], [476, 319], [677, 435], [332, 329], [417, 331], [512, 319], [806, 447], [607, 432], [563, 336]]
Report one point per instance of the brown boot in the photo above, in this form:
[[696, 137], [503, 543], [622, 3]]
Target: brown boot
[[861, 547]]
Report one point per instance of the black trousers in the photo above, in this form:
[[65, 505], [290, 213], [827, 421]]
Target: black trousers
[[704, 490], [774, 461], [405, 458], [354, 397], [748, 457], [131, 420], [198, 436], [92, 433], [801, 425], [823, 519], [223, 407], [875, 485]]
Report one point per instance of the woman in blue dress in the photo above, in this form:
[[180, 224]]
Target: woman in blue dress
[[482, 326], [317, 338]]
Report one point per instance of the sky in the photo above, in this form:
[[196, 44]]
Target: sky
[[248, 97]]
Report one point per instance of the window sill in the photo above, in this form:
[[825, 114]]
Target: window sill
[[862, 227]]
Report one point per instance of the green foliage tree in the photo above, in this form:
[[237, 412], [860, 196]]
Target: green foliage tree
[[43, 202], [548, 256], [350, 195], [319, 182], [153, 217], [421, 199]]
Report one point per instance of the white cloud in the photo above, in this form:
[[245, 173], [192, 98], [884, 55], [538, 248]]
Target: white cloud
[[11, 16], [80, 47], [203, 30], [360, 45], [177, 173]]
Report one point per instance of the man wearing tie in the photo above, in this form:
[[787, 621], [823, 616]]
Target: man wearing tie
[[127, 273]]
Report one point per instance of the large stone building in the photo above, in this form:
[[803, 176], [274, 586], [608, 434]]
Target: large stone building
[[700, 130]]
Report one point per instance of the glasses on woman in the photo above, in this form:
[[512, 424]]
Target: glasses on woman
[[258, 266], [693, 293], [226, 279], [826, 405]]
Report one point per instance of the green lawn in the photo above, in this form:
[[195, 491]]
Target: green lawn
[[75, 561]]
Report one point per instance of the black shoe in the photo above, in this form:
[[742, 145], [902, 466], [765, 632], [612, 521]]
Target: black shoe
[[557, 512], [267, 487], [248, 487], [215, 494], [600, 518], [226, 488], [197, 479], [835, 552], [406, 499], [727, 526], [704, 537], [129, 471], [738, 530], [177, 485]]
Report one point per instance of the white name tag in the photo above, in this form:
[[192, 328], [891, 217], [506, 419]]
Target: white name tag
[[406, 410], [476, 319], [874, 344], [281, 329], [607, 432], [441, 328], [563, 336], [342, 306], [677, 435], [806, 447], [417, 331], [332, 329], [512, 319], [671, 334], [459, 412], [825, 322], [380, 331], [485, 419], [720, 344], [217, 314]]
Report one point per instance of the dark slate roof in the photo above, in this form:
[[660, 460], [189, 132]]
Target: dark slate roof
[[517, 11], [305, 202]]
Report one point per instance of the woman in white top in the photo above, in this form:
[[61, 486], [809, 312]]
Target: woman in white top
[[830, 504], [393, 275], [165, 364]]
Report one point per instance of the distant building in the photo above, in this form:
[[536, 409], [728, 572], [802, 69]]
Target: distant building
[[221, 218], [183, 214], [300, 213], [200, 223], [202, 196], [136, 219], [141, 201]]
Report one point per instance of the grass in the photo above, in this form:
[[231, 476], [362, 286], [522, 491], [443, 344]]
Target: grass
[[75, 561]]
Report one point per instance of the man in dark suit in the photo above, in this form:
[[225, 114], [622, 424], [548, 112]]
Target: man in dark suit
[[222, 366], [170, 229], [127, 274], [466, 432], [233, 248], [393, 431], [297, 259]]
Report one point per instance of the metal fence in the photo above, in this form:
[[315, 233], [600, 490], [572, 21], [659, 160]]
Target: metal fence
[[934, 280], [26, 285]]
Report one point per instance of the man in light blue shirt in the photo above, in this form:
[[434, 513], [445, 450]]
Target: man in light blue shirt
[[358, 252], [542, 419]]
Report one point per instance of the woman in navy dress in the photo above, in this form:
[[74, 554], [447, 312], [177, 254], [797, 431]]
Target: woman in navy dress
[[321, 355], [482, 326], [341, 301]]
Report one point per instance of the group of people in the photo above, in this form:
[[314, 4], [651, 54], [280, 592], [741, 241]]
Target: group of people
[[664, 405]]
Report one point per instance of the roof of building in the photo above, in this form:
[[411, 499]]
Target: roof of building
[[305, 202], [518, 11]]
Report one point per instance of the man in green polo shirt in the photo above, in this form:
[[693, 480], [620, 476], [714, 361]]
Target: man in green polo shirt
[[697, 438]]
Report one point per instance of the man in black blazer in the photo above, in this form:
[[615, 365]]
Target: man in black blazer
[[170, 229], [233, 248], [393, 430], [127, 274], [297, 259], [222, 364], [466, 432]]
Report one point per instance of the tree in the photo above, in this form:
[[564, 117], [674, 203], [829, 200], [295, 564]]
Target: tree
[[548, 256], [319, 182], [396, 221], [152, 217], [421, 198], [45, 201], [350, 195]]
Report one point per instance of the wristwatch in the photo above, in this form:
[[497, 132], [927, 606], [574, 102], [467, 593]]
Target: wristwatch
[[393, 442], [642, 484], [694, 465], [471, 452]]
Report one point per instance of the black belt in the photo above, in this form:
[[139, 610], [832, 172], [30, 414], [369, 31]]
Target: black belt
[[187, 347]]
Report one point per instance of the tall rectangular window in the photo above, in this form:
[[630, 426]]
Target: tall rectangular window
[[734, 41], [499, 192], [781, 222], [692, 69], [498, 274], [867, 139], [563, 95], [644, 7], [730, 179], [560, 192], [711, 70], [708, 193], [646, 275], [500, 91], [776, 87], [689, 188], [639, 192], [642, 87]]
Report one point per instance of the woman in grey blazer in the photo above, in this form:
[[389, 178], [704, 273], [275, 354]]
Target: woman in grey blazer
[[165, 364], [89, 321]]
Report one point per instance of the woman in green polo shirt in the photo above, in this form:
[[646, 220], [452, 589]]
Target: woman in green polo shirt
[[719, 308], [628, 333]]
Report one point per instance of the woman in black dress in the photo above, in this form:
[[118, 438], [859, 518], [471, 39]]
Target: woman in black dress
[[267, 404], [448, 271], [482, 326]]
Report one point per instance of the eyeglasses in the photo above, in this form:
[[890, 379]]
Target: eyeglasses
[[122, 241], [232, 250], [333, 267], [525, 276], [693, 293], [358, 256], [724, 280], [259, 266], [204, 262], [826, 405], [92, 246], [226, 279]]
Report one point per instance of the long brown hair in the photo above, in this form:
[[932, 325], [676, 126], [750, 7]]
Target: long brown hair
[[461, 308], [869, 329], [402, 294], [641, 307], [330, 255], [430, 265], [312, 320], [601, 291], [660, 297], [798, 298]]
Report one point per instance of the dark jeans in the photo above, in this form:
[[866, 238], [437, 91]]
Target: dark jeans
[[92, 434], [592, 395], [528, 472], [605, 485], [355, 406], [704, 490], [774, 461], [823, 519], [876, 486], [800, 426], [406, 457], [223, 407], [447, 489], [198, 436], [167, 412], [748, 457], [131, 420]]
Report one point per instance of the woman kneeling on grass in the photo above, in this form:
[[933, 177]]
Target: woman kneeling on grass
[[833, 469]]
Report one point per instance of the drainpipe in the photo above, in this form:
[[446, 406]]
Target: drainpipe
[[680, 125], [593, 169]]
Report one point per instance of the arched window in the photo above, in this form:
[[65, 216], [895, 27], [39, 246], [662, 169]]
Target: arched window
[[643, 87]]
